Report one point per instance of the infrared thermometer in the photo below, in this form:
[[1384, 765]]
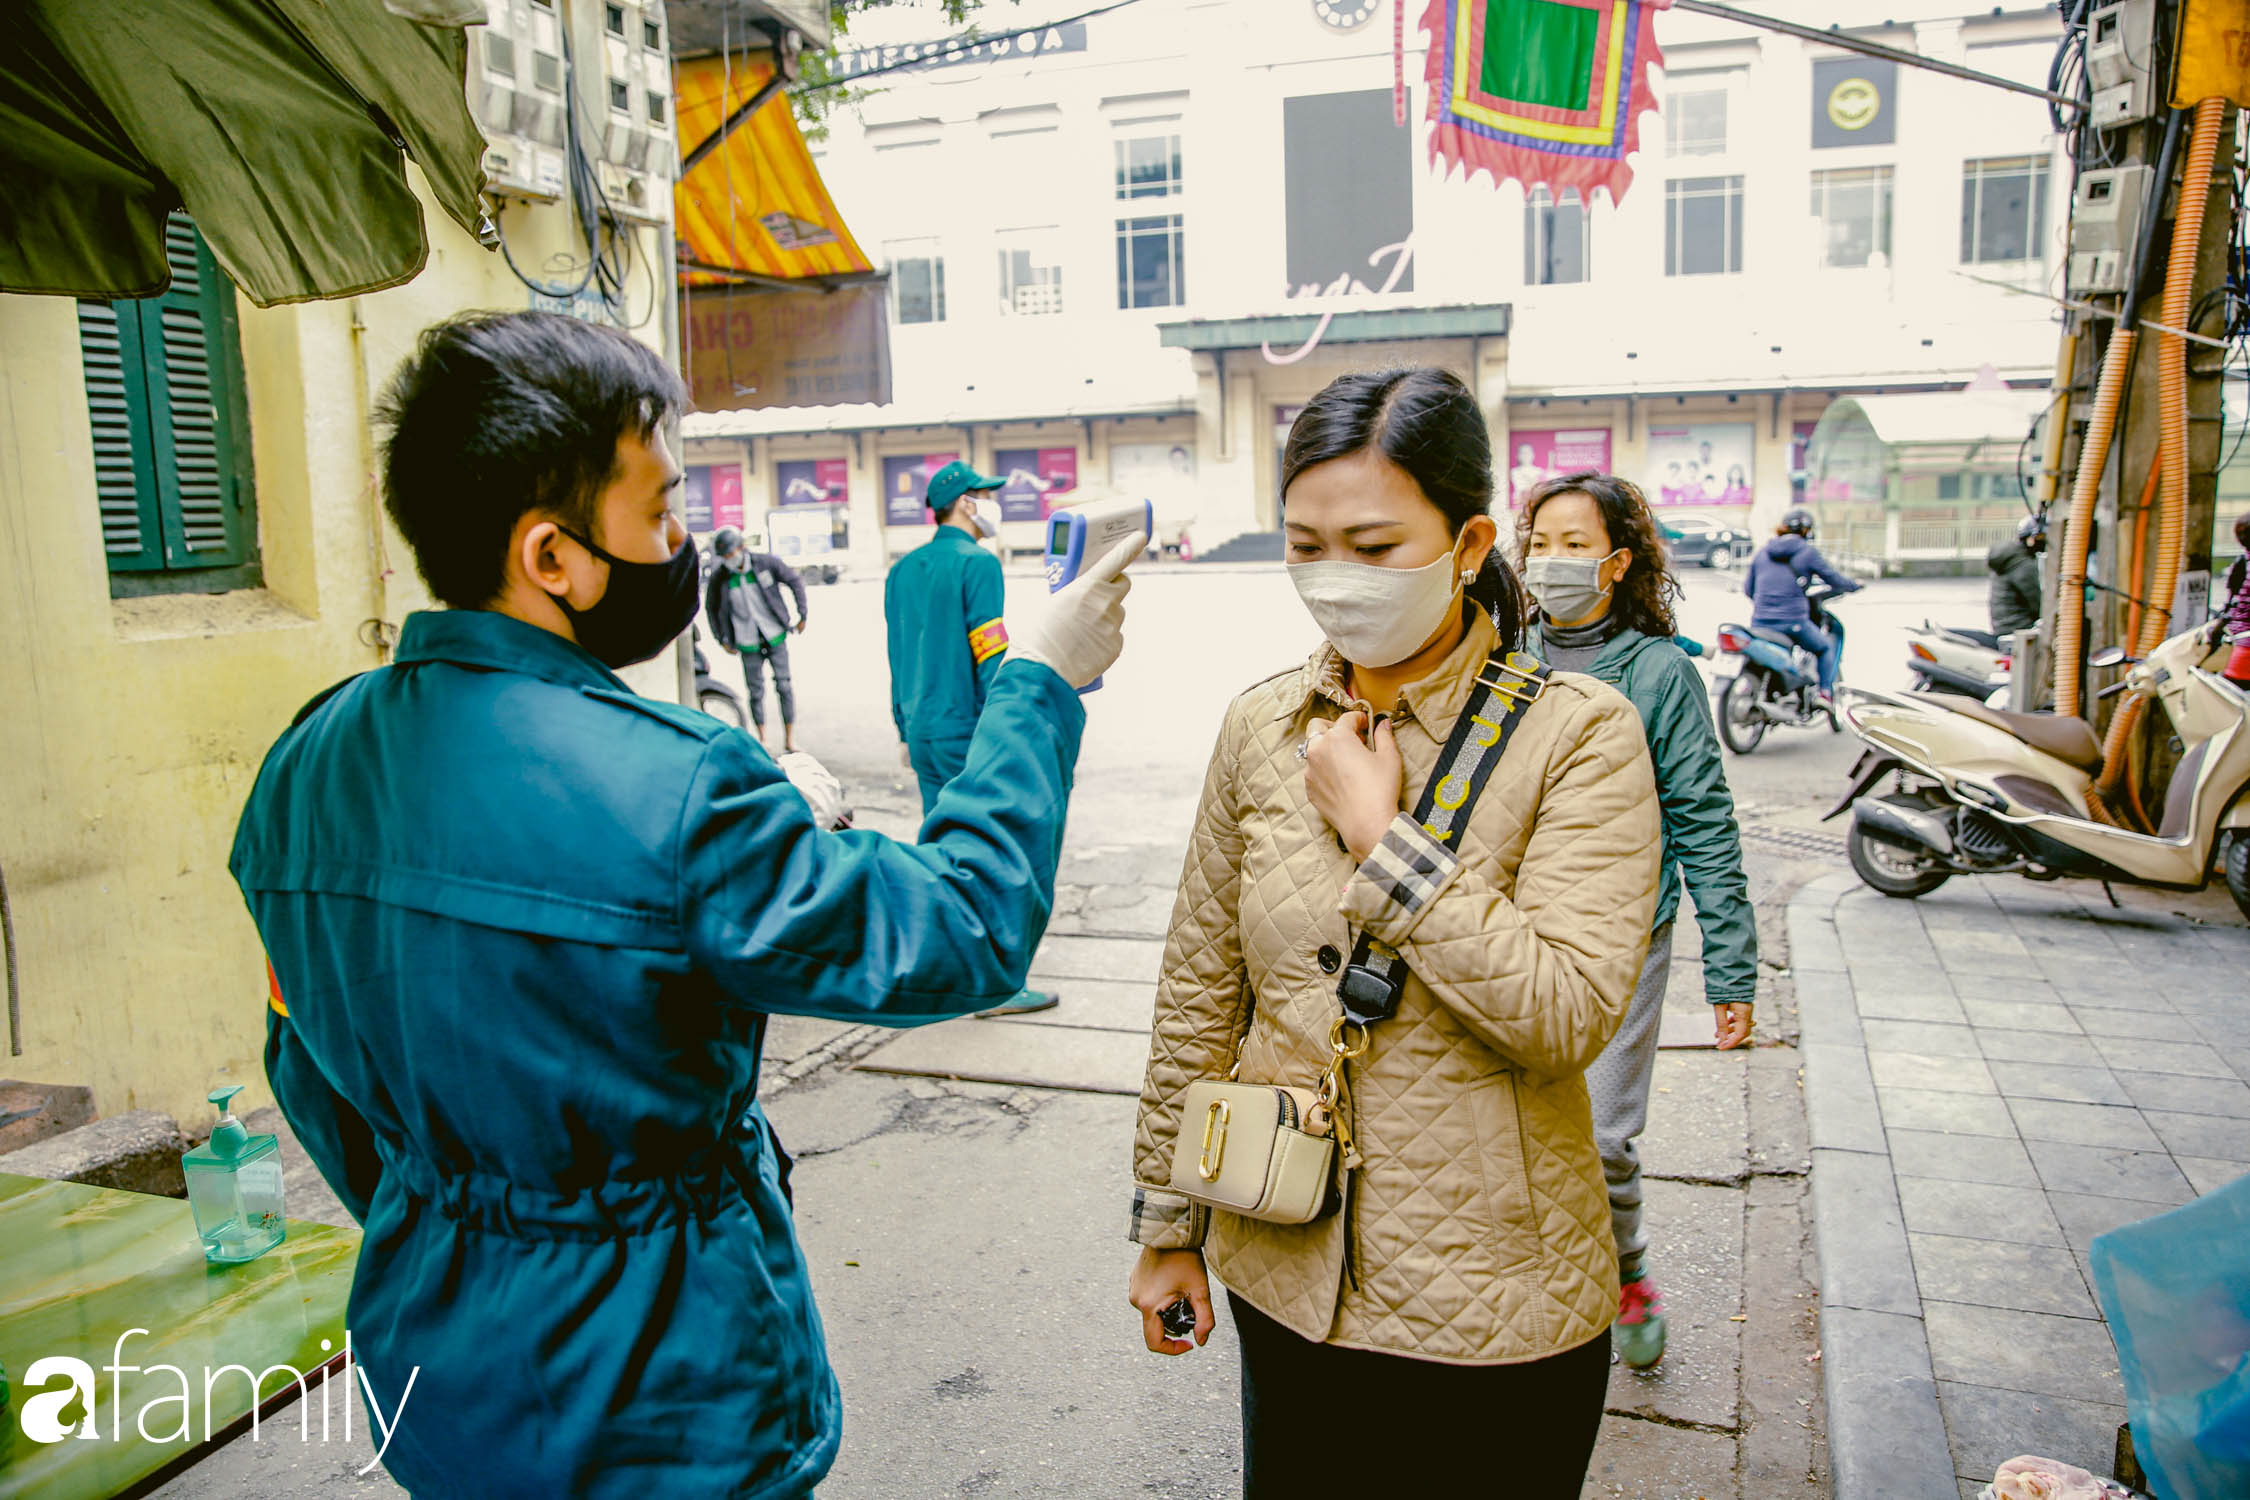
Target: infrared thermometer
[[1079, 536]]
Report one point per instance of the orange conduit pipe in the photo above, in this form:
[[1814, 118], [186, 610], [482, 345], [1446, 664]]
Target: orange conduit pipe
[[2085, 491], [2171, 395]]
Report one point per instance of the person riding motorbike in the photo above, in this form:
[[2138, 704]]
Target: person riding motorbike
[[2014, 600], [1775, 582]]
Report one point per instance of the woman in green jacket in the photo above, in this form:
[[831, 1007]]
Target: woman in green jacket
[[1594, 561]]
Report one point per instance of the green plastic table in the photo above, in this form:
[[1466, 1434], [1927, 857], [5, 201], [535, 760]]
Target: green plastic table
[[81, 1265]]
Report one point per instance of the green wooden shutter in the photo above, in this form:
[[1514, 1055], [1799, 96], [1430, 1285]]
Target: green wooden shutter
[[109, 341], [197, 408], [171, 428]]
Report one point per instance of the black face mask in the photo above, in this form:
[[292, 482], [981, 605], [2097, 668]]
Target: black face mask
[[644, 608]]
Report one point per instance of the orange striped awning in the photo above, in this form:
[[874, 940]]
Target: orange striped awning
[[756, 204]]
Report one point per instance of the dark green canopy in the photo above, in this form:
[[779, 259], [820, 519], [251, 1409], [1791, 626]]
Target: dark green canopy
[[277, 124]]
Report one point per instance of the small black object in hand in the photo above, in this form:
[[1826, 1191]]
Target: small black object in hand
[[1178, 1320]]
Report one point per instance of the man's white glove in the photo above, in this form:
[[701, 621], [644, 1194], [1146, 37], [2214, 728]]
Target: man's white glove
[[1083, 630]]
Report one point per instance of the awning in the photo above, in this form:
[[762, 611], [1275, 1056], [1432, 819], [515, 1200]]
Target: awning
[[754, 207], [277, 124]]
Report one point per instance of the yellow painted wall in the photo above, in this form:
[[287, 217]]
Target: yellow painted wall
[[131, 730]]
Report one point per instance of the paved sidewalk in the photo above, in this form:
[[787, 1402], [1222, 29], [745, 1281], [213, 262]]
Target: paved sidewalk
[[1995, 1074]]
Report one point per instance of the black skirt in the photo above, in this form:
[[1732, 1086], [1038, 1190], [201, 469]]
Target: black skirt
[[1323, 1419]]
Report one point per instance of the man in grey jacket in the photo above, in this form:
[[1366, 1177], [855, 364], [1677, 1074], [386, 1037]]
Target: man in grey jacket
[[743, 602], [2015, 600]]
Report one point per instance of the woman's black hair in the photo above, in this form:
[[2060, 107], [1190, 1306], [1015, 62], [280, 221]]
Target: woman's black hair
[[1426, 421], [2242, 530]]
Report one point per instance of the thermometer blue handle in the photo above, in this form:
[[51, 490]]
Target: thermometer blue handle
[[1080, 535]]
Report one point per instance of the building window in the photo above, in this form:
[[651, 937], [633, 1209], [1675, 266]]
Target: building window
[[1151, 262], [1695, 123], [2003, 209], [1554, 239], [917, 281], [1854, 209], [613, 19], [1703, 226], [1149, 167], [170, 416], [1030, 273], [1151, 249]]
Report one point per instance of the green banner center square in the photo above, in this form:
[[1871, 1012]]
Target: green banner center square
[[1539, 52]]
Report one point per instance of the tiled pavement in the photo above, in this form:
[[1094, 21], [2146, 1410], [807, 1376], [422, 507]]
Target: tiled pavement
[[1995, 1074]]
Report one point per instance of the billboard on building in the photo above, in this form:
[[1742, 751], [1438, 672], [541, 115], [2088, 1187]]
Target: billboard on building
[[712, 496], [906, 486], [1348, 186], [751, 349], [813, 481], [1702, 463], [1039, 479], [1538, 454]]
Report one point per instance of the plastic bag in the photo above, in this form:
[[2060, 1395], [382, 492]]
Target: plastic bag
[[2032, 1478], [2176, 1291]]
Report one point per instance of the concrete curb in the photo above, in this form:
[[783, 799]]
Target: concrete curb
[[1886, 1435]]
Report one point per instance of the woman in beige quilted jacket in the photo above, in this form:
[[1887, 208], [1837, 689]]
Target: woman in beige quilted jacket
[[1443, 1331]]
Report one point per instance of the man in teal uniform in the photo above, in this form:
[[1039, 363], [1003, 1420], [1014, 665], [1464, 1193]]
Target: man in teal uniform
[[942, 605], [526, 927]]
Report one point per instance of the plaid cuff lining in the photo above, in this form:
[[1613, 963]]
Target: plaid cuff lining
[[1163, 1221], [1409, 867]]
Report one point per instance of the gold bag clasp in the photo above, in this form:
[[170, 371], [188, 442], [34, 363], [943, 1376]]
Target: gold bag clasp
[[1214, 1140]]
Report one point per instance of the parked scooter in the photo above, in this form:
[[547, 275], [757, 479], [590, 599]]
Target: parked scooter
[[713, 696], [1777, 681], [1953, 659], [1981, 791]]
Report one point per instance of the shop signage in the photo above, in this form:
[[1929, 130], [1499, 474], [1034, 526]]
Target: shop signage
[[1542, 453], [906, 486], [1039, 479], [1702, 463], [814, 481], [1854, 102], [1043, 41]]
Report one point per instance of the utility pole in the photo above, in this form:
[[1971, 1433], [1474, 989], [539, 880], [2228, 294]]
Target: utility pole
[[2132, 153]]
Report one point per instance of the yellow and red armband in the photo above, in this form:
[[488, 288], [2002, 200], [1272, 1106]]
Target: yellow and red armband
[[274, 1002], [988, 640]]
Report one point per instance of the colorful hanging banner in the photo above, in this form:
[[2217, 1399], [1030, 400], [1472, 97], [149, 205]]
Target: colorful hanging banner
[[1548, 92]]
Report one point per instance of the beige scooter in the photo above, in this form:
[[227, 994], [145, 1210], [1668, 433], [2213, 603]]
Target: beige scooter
[[1980, 791]]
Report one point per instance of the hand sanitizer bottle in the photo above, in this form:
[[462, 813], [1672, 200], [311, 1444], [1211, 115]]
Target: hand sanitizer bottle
[[234, 1186]]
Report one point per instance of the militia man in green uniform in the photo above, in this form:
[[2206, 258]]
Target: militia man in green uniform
[[942, 605]]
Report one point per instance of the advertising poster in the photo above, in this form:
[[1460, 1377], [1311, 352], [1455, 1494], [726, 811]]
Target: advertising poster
[[1704, 463], [1540, 454], [814, 481], [714, 496], [906, 486], [1800, 459], [1039, 479], [752, 349]]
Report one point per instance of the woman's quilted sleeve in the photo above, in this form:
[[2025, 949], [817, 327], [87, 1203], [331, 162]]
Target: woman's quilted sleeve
[[1202, 999]]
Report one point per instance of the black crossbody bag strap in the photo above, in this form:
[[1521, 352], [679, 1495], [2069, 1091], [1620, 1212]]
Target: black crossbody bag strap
[[1509, 683]]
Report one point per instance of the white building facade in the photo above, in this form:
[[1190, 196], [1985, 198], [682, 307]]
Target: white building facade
[[1112, 245]]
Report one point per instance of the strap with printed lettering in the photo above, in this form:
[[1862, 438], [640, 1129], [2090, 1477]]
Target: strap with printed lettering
[[1509, 683]]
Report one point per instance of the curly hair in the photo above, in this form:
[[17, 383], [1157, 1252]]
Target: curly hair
[[1643, 597]]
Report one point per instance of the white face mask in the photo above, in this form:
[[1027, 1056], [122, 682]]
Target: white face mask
[[1566, 588], [1378, 617]]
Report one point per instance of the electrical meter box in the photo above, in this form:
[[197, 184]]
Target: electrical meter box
[[2105, 220], [2120, 43], [2121, 62], [635, 140], [516, 94]]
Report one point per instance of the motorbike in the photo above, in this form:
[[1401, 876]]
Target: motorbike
[[1954, 659], [713, 696], [1777, 681], [1982, 791]]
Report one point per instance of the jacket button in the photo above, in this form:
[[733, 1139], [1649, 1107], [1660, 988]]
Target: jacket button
[[1330, 959]]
